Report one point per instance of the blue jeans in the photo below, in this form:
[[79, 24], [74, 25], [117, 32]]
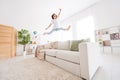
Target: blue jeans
[[55, 29]]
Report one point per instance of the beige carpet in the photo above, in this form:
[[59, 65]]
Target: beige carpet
[[31, 68]]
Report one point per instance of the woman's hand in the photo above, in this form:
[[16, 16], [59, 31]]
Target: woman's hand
[[60, 9], [59, 12]]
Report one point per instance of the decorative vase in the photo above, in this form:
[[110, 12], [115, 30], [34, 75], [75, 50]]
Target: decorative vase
[[24, 54]]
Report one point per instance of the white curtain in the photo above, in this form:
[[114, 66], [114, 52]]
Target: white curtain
[[85, 28]]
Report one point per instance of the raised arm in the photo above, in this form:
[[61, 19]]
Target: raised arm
[[59, 12], [48, 26]]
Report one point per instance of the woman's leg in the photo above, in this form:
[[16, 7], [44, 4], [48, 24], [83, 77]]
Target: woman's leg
[[60, 29], [63, 28], [56, 29], [49, 32]]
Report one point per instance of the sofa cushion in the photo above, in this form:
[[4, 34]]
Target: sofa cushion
[[61, 45], [64, 45], [75, 43], [51, 52], [54, 45], [71, 56], [47, 46]]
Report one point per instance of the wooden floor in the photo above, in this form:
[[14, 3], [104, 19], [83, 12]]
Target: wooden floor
[[4, 58]]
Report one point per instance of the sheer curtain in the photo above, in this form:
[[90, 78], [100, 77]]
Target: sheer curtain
[[65, 35], [85, 28]]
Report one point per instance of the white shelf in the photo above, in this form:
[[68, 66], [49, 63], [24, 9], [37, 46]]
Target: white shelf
[[109, 36], [115, 41], [107, 49], [106, 37]]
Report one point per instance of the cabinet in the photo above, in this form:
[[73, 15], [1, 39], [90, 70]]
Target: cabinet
[[7, 41]]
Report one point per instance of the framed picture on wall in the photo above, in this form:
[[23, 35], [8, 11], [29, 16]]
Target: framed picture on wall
[[114, 36]]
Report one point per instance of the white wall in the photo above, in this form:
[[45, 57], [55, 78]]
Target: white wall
[[106, 13]]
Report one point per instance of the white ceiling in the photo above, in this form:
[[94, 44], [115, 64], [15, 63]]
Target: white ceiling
[[35, 14]]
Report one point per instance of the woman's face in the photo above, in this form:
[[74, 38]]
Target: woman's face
[[54, 16]]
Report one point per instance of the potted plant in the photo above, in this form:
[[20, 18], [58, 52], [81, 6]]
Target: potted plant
[[23, 38]]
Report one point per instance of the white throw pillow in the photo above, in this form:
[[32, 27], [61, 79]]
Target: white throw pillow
[[54, 45], [47, 46], [64, 45]]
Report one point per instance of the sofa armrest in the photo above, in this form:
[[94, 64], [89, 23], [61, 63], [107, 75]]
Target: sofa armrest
[[38, 48], [89, 59]]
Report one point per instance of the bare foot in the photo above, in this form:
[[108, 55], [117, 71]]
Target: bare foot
[[68, 27]]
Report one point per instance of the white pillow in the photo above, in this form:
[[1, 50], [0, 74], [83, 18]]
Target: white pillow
[[54, 45], [64, 45], [47, 46]]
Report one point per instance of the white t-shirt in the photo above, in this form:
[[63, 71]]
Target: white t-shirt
[[55, 23]]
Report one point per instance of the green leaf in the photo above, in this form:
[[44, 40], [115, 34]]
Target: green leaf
[[23, 37]]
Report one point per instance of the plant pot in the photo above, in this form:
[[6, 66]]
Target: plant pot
[[24, 53]]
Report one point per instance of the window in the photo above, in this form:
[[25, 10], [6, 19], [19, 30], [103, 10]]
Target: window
[[85, 28], [65, 35]]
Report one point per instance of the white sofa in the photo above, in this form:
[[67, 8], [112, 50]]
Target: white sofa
[[83, 63]]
